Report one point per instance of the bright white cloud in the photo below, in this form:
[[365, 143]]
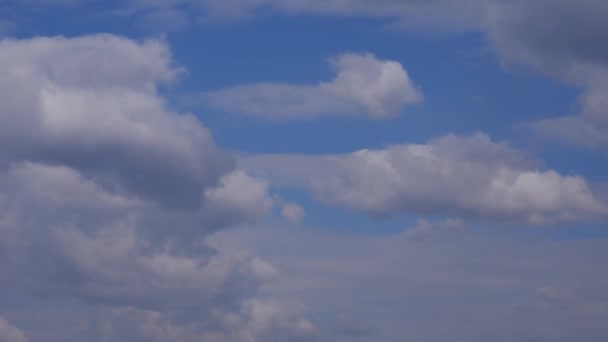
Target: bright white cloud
[[364, 86], [464, 177], [239, 193]]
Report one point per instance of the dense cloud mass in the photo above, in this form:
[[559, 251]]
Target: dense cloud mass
[[364, 86], [109, 198], [465, 177], [440, 281], [115, 206]]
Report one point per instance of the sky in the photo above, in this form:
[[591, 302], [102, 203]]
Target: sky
[[303, 170]]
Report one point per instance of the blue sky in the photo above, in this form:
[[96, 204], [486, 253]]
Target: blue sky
[[266, 170]]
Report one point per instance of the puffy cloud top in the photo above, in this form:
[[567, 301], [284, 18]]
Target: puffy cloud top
[[465, 177], [364, 86], [91, 103]]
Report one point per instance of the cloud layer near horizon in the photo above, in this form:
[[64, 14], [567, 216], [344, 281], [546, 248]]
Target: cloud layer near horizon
[[438, 281]]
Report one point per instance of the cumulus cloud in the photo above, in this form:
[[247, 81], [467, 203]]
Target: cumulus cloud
[[86, 242], [469, 177], [109, 198], [293, 212], [91, 103], [561, 39], [364, 86], [9, 333]]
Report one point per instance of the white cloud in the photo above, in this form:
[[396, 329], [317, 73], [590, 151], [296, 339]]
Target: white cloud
[[109, 198], [239, 193], [364, 86], [293, 212], [65, 235], [91, 103], [465, 177], [558, 38], [9, 333]]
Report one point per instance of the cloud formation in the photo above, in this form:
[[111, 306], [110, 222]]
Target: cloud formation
[[91, 103], [113, 206], [454, 284], [560, 39], [8, 333], [364, 86], [469, 177], [109, 198]]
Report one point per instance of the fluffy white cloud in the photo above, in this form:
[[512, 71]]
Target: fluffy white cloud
[[107, 197], [91, 103], [364, 86], [65, 235], [464, 177], [558, 38], [293, 212], [8, 333]]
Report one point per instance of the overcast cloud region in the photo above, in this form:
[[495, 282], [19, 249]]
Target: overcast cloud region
[[125, 217], [363, 86]]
